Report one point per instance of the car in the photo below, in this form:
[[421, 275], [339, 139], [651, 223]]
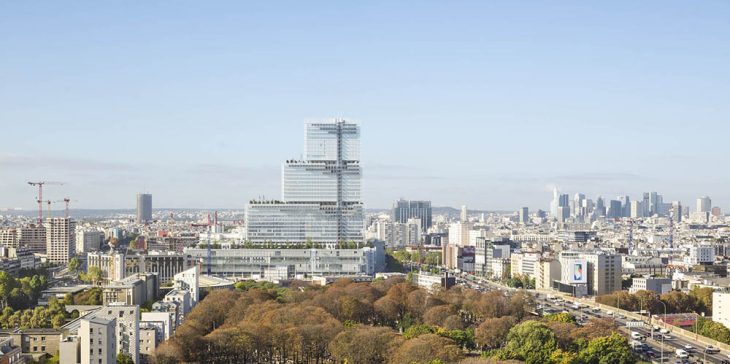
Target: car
[[649, 353], [636, 336], [681, 354], [689, 348], [724, 361], [596, 309], [711, 350], [610, 313], [664, 331], [666, 337]]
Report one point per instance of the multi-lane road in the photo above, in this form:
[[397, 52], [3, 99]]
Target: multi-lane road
[[654, 342]]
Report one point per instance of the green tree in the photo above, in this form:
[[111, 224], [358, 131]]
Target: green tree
[[531, 341], [93, 275], [560, 317], [612, 349], [7, 284], [123, 358], [73, 265]]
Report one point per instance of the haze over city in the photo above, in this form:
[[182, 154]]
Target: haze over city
[[485, 104]]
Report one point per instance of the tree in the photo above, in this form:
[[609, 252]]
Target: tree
[[612, 349], [123, 358], [427, 349], [93, 275], [492, 333], [561, 317], [73, 265], [364, 344], [531, 341], [7, 284], [703, 296]]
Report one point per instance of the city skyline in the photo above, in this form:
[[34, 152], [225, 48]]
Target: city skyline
[[488, 105]]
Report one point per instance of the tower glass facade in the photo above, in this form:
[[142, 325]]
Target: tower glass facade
[[320, 195]]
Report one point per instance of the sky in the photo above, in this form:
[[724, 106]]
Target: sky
[[481, 103]]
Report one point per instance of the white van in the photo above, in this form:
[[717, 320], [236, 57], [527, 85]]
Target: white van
[[680, 353]]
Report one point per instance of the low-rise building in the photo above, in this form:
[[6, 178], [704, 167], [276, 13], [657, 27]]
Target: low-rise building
[[655, 284], [251, 263]]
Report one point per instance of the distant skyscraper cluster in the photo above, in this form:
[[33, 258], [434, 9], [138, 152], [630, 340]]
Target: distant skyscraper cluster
[[650, 204], [320, 194], [403, 210]]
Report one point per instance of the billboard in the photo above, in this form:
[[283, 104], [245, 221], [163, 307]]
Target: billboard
[[578, 270]]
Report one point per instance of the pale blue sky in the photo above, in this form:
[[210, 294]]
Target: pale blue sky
[[482, 103]]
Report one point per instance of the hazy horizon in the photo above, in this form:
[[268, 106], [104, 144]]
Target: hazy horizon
[[470, 103]]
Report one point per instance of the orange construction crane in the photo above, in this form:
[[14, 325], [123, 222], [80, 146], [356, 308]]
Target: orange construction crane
[[39, 199]]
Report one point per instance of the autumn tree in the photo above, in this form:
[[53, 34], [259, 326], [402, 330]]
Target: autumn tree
[[364, 344], [492, 333], [427, 349]]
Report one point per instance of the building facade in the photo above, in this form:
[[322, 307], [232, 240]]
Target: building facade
[[403, 210], [60, 239], [144, 208], [251, 263], [320, 195]]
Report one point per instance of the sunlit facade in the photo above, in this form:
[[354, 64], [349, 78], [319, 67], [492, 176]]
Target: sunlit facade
[[320, 195]]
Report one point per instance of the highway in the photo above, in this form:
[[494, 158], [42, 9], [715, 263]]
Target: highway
[[669, 345]]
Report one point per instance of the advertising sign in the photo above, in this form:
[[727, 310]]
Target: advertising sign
[[578, 271]]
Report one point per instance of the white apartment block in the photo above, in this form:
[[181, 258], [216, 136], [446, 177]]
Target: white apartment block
[[703, 254], [98, 340], [188, 280], [524, 264]]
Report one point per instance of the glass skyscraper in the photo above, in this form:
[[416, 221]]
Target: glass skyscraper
[[320, 194]]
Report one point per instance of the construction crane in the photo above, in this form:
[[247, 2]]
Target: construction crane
[[39, 199], [65, 200]]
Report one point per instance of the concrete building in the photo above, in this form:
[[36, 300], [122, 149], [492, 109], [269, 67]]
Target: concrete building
[[33, 237], [433, 283], [88, 240], [34, 342], [188, 280], [183, 305], [10, 353], [164, 263], [60, 239], [459, 233], [524, 215], [136, 289], [704, 204], [547, 270], [9, 238], [320, 195], [523, 263], [403, 210], [112, 265], [116, 266], [488, 252], [126, 331], [658, 285], [702, 254], [721, 307], [24, 256], [164, 322], [251, 263], [147, 343], [144, 208], [604, 273], [98, 340]]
